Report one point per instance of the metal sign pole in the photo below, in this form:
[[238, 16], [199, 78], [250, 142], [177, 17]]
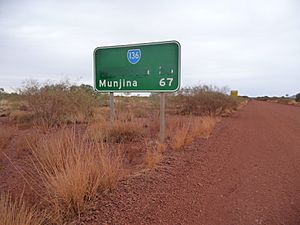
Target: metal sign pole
[[112, 106], [162, 117]]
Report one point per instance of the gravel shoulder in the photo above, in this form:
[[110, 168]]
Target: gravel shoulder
[[247, 172]]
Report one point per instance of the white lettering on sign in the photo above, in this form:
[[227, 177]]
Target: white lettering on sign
[[118, 83], [165, 81]]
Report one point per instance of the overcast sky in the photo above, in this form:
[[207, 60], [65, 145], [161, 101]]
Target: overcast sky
[[252, 46]]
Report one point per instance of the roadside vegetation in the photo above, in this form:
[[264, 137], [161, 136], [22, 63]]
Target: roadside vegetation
[[68, 150], [286, 100], [297, 98], [204, 100], [15, 212], [56, 104], [70, 171]]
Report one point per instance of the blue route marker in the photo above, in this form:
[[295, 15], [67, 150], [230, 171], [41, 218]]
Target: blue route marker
[[134, 55]]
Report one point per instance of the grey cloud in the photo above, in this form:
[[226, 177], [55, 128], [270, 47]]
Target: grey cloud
[[247, 45]]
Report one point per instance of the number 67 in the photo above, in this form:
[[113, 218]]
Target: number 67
[[162, 82]]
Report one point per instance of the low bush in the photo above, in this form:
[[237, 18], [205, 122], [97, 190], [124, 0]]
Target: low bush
[[55, 104], [203, 100]]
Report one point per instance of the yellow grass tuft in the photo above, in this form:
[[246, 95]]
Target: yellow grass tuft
[[154, 154], [184, 130], [181, 137], [203, 126], [17, 213], [71, 171]]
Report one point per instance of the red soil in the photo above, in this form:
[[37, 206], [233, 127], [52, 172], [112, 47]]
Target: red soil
[[246, 173]]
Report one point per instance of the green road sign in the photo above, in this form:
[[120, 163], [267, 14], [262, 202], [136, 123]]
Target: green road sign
[[150, 67]]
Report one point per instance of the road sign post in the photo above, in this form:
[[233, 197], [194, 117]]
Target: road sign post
[[162, 117], [149, 67], [112, 106]]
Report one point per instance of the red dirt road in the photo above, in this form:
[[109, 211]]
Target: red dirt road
[[247, 172]]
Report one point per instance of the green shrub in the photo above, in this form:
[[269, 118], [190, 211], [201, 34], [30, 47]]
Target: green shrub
[[54, 104]]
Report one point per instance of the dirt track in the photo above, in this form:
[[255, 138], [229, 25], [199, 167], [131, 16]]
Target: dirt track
[[248, 172]]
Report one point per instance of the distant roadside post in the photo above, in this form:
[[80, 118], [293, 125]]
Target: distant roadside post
[[148, 67]]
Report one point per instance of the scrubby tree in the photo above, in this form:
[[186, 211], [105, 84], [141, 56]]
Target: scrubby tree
[[1, 93], [298, 97]]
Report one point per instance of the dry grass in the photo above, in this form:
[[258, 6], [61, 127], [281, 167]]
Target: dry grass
[[152, 157], [125, 116], [183, 130], [293, 102], [154, 124], [4, 105], [243, 104], [6, 133], [154, 154], [100, 114], [203, 126], [181, 137], [141, 112], [71, 171], [21, 117], [17, 213], [23, 142], [119, 131], [281, 100], [125, 131]]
